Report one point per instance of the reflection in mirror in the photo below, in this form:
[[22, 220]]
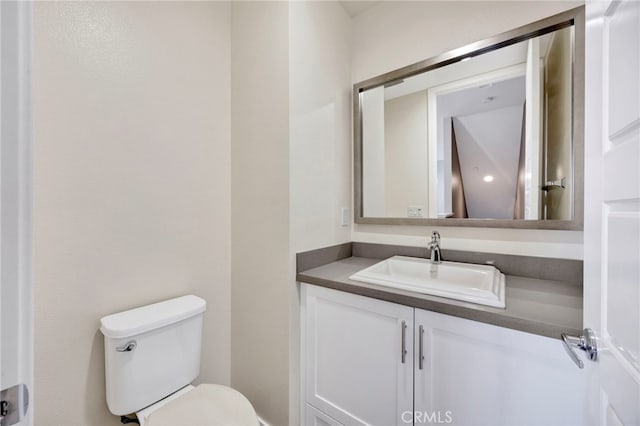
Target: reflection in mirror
[[488, 137]]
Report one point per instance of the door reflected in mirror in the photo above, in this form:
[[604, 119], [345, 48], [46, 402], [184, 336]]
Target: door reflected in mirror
[[487, 137]]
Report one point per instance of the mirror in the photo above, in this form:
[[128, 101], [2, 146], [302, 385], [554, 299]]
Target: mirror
[[486, 135]]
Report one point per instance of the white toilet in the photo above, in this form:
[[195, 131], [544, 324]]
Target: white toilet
[[152, 354]]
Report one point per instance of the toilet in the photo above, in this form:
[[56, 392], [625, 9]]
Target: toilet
[[152, 354]]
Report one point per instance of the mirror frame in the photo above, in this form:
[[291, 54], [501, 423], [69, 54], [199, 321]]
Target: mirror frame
[[573, 17]]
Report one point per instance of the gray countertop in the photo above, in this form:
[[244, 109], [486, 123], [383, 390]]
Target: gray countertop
[[538, 306]]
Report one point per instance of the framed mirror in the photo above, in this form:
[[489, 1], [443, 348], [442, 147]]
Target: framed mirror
[[487, 135]]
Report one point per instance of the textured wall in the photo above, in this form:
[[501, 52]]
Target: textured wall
[[320, 108], [320, 144], [260, 206], [132, 184], [405, 154]]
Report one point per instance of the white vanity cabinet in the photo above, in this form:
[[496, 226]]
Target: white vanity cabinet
[[481, 374], [455, 371], [354, 367], [314, 417]]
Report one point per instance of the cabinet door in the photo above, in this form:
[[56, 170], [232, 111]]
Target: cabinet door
[[353, 365], [313, 417], [480, 374]]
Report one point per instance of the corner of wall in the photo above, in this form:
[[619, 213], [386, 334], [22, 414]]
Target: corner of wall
[[260, 206]]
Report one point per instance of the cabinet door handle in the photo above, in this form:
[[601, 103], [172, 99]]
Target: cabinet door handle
[[420, 348], [404, 342]]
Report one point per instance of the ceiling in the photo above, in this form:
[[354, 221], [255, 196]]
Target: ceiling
[[483, 98], [356, 7], [496, 59]]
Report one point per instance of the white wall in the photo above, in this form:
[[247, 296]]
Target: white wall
[[394, 34], [131, 184], [373, 164], [291, 174], [397, 33], [320, 114], [319, 145], [142, 137], [261, 263], [406, 154]]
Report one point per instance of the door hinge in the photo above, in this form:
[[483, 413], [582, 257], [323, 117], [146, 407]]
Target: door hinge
[[14, 403]]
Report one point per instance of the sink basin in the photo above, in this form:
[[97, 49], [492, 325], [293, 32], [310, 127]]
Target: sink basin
[[482, 284]]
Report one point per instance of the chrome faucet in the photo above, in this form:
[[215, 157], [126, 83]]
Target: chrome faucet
[[434, 246]]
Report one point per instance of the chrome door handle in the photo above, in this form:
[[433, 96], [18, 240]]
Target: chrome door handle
[[14, 403], [404, 342], [420, 349], [128, 347], [586, 342], [4, 410]]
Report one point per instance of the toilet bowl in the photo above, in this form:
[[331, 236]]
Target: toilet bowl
[[152, 354], [205, 404]]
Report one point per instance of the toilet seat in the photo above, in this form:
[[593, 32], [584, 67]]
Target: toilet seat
[[205, 405]]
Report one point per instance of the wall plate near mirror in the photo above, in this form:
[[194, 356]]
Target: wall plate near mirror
[[487, 135]]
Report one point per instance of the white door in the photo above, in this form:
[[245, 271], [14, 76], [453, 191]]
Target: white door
[[15, 288], [480, 374], [533, 131], [357, 357], [612, 208]]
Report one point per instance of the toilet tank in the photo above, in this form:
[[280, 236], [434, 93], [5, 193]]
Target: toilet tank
[[151, 352]]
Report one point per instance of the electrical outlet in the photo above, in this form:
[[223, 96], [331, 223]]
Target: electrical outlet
[[415, 211], [344, 216]]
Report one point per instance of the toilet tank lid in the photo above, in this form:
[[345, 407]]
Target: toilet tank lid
[[146, 318]]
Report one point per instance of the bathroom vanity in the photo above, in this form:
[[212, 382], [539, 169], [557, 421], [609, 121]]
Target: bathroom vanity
[[430, 150], [378, 355]]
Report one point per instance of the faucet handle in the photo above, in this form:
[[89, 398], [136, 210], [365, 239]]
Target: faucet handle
[[434, 246]]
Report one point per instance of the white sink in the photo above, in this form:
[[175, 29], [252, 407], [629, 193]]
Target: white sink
[[482, 284]]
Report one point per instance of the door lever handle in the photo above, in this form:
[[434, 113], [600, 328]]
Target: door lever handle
[[586, 342], [14, 403]]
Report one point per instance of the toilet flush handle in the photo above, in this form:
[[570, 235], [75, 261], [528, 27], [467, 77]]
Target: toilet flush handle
[[131, 345]]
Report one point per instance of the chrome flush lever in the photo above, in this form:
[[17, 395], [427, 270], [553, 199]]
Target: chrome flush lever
[[586, 342], [128, 347]]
